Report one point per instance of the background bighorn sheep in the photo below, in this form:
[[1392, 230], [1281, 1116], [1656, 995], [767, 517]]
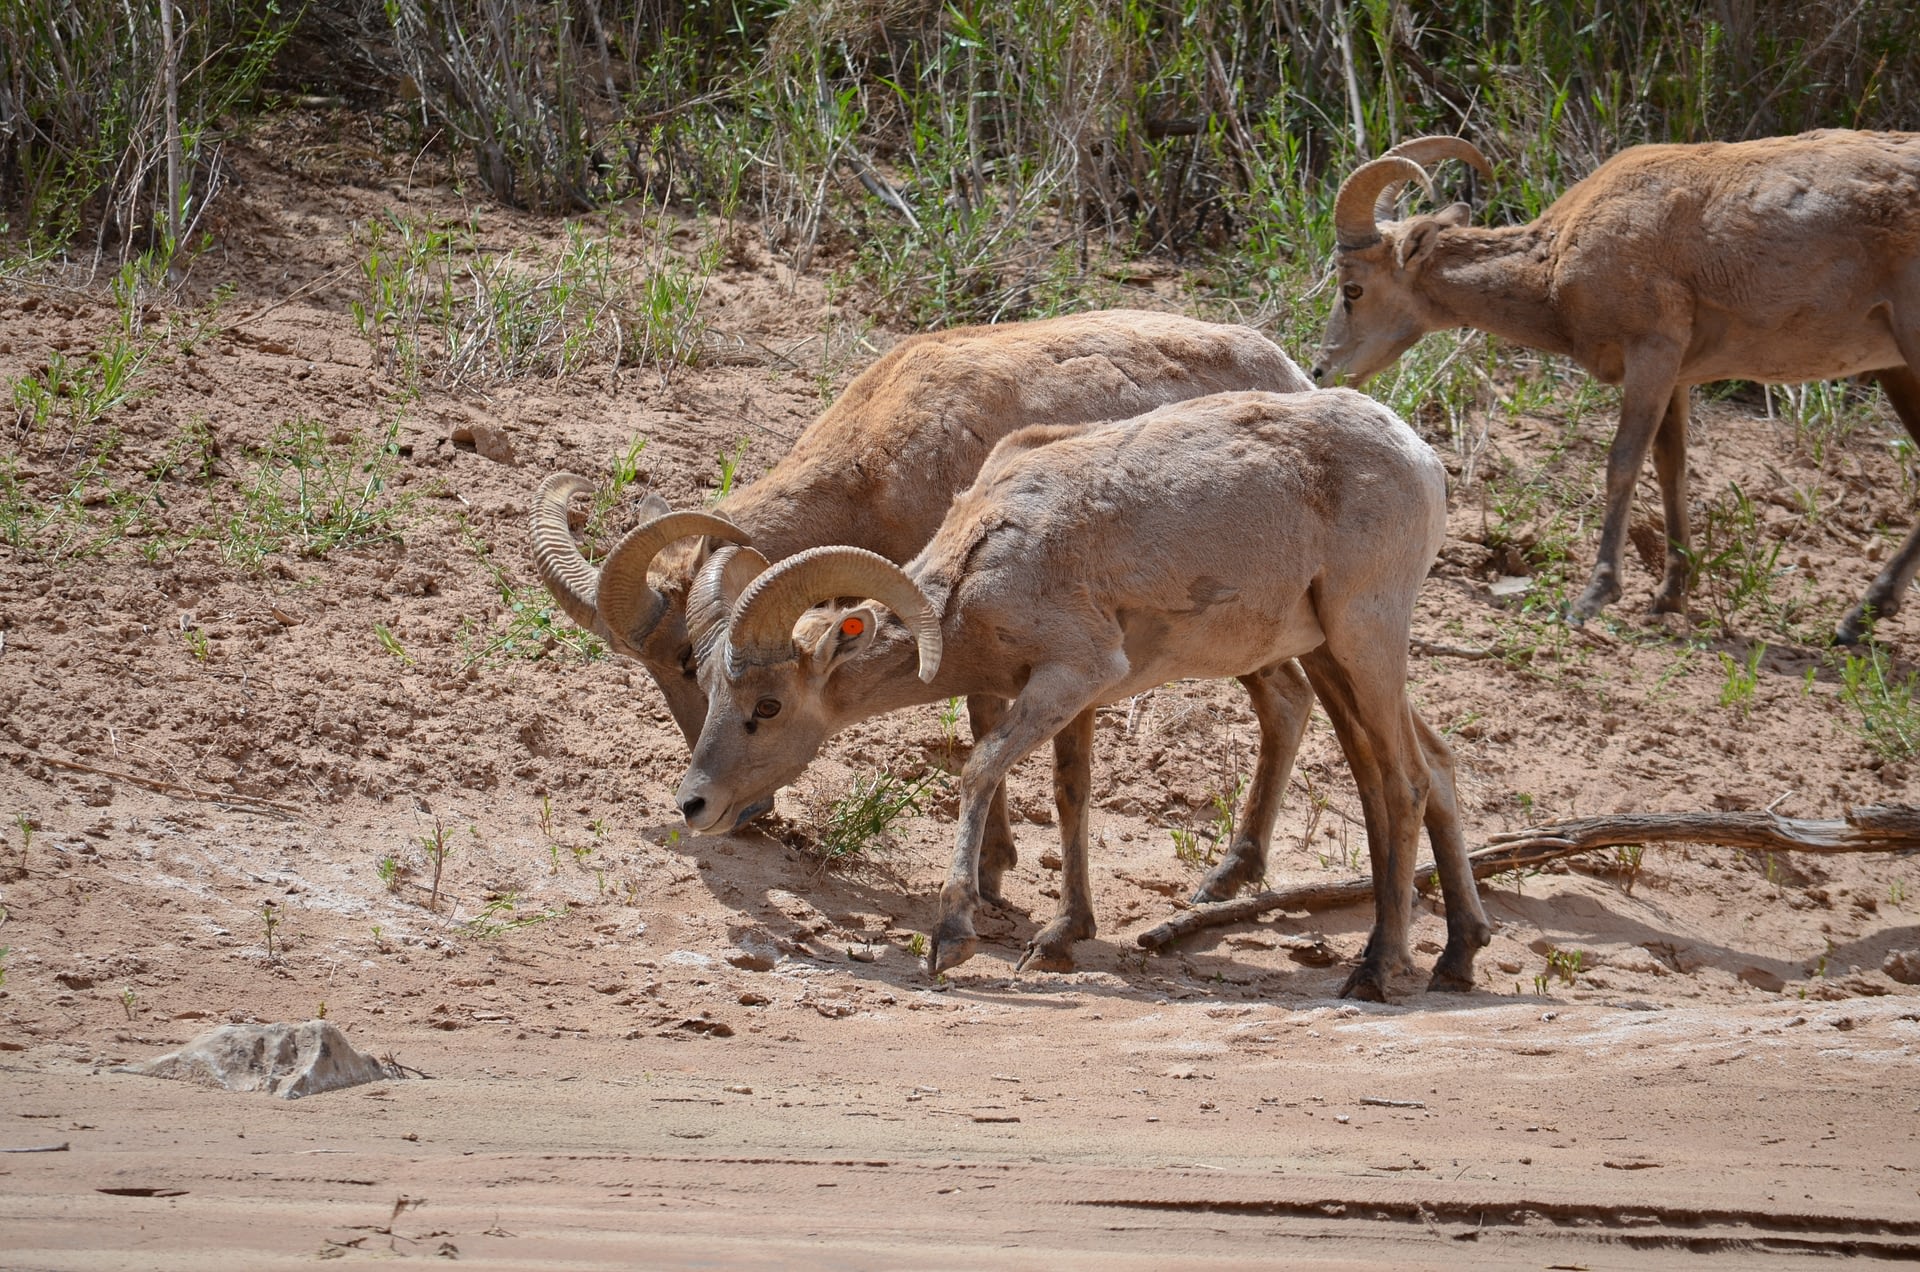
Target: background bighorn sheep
[[1217, 537], [1787, 259], [879, 467]]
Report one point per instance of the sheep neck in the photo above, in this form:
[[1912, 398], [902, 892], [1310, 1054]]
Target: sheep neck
[[1499, 281]]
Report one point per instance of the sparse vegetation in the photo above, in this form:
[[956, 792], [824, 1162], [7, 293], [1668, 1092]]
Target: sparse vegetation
[[503, 914], [862, 817], [1742, 679], [269, 921], [1888, 703], [435, 847]]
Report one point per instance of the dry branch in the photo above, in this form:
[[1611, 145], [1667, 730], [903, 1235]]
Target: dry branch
[[179, 790], [1868, 828]]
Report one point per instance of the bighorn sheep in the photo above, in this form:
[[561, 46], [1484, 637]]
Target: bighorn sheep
[[1222, 536], [1786, 259], [879, 467]]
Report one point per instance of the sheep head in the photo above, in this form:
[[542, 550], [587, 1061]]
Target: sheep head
[[782, 678], [1380, 311], [617, 602]]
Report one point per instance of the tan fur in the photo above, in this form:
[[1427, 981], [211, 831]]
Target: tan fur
[[1223, 536], [1784, 259]]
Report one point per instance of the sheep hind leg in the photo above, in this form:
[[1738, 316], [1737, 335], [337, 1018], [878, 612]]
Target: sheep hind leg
[[1282, 702], [1883, 596], [1054, 695], [1051, 949], [998, 853], [1670, 466], [1374, 723], [1468, 931]]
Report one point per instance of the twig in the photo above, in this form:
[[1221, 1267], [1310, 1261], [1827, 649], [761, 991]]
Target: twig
[[242, 802], [1433, 649], [1867, 828], [62, 1147]]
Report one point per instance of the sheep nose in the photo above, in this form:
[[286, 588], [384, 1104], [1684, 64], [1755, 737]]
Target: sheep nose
[[690, 807], [1319, 371]]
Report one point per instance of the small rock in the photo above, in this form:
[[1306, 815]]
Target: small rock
[[1903, 966], [284, 1060], [1761, 978], [487, 442]]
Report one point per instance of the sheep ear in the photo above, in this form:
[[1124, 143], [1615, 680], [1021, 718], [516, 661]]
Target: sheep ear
[[1417, 239], [851, 631], [652, 506], [1455, 215]]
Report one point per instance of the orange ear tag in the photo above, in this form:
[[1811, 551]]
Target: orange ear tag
[[852, 627]]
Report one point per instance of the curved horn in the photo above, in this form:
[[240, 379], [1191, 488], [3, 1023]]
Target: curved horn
[[762, 629], [1427, 151], [556, 558], [629, 607], [715, 589], [1353, 219]]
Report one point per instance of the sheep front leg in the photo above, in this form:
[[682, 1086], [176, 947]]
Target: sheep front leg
[[1051, 949], [1282, 703], [1054, 695], [1648, 394], [998, 853]]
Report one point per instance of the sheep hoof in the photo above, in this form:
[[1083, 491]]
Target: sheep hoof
[[1225, 880], [1452, 975], [1051, 949], [953, 943], [1366, 983]]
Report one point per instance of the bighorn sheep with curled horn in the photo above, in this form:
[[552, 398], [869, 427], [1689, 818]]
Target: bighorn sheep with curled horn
[[1786, 259], [878, 469], [1222, 536]]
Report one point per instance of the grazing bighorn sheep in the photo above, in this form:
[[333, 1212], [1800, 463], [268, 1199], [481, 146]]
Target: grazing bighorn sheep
[[1787, 259], [879, 467], [1222, 536]]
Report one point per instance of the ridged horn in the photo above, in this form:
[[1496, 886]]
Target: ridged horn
[[761, 633], [1428, 151], [556, 558], [1353, 220], [628, 605], [710, 600]]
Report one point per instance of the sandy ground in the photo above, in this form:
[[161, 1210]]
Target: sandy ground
[[644, 1045]]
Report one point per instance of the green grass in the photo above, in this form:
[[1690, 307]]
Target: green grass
[[1887, 703], [313, 491], [861, 818]]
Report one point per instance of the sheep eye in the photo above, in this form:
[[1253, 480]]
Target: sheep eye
[[766, 708], [1352, 291]]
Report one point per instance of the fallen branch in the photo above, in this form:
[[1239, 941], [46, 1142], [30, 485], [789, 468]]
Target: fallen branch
[[1868, 828], [1434, 649], [179, 790]]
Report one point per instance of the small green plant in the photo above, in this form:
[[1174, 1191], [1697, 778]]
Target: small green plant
[[435, 847], [196, 641], [501, 914], [127, 1001], [950, 723], [1566, 964], [1626, 864], [1888, 704], [25, 825], [1540, 982], [1743, 678], [730, 469], [917, 945], [859, 818], [391, 872], [391, 643], [270, 920], [1187, 848], [528, 625], [546, 816], [310, 494], [320, 1011], [379, 935]]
